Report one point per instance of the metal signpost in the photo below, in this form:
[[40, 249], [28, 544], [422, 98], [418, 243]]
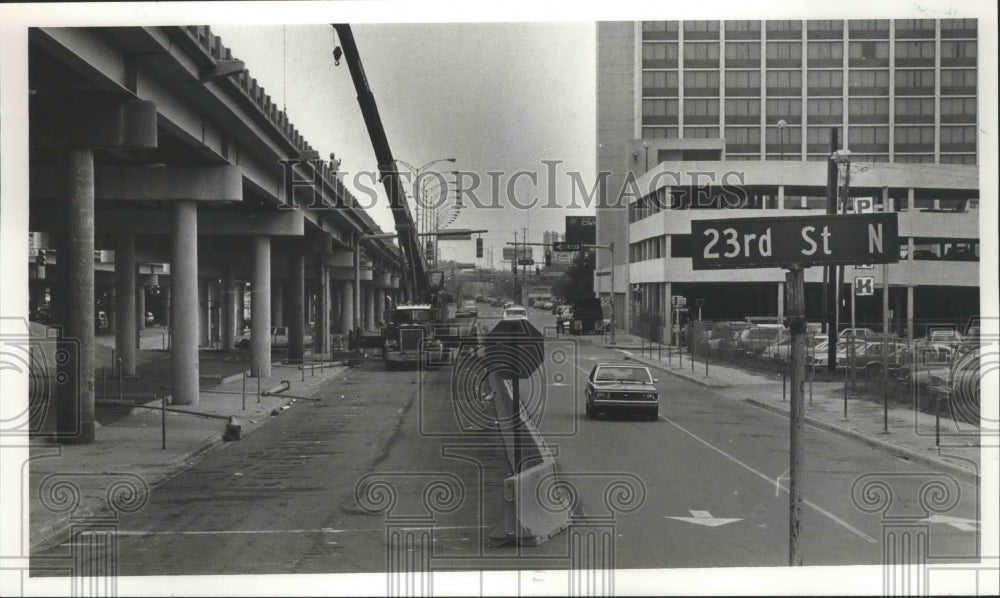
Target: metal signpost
[[795, 243]]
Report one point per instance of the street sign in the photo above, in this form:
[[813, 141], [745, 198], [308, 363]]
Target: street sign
[[864, 286], [581, 229], [804, 240], [864, 267], [523, 262], [678, 300], [563, 246]]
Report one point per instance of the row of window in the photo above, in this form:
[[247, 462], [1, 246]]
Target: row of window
[[786, 54], [815, 29], [911, 82], [818, 111]]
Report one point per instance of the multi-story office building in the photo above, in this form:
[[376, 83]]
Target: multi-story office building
[[686, 106]]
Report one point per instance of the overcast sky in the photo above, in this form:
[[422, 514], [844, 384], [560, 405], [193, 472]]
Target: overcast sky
[[498, 97]]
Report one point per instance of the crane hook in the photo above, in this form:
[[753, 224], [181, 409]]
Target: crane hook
[[337, 53]]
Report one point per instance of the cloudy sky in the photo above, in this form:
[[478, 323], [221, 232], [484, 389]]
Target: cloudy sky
[[498, 97]]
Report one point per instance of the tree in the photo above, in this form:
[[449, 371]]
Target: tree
[[578, 280]]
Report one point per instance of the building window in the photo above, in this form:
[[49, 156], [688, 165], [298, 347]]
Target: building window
[[825, 29], [828, 54], [784, 83], [914, 83], [701, 132], [788, 110], [869, 139], [742, 55], [742, 30], [957, 28], [914, 53], [825, 112], [659, 132], [701, 112], [680, 246], [913, 159], [868, 110], [659, 30], [659, 55], [868, 54], [914, 139], [916, 110], [818, 141], [659, 112], [958, 158], [701, 30], [868, 83], [784, 30], [958, 82], [790, 139], [742, 111], [914, 28], [701, 55], [701, 83], [825, 83], [743, 140], [958, 139], [742, 83], [659, 83], [957, 110], [784, 54], [958, 53], [868, 29]]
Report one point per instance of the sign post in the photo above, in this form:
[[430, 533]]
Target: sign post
[[794, 243]]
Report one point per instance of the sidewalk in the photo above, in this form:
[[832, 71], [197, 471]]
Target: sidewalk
[[911, 433], [70, 483]]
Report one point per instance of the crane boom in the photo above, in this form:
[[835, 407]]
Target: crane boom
[[405, 230]]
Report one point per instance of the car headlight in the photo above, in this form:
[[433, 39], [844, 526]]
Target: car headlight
[[391, 344], [651, 396], [602, 396]]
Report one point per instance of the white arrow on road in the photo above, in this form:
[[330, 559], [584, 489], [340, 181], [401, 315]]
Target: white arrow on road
[[966, 525], [704, 518]]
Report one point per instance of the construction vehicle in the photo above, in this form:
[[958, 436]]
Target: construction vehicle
[[422, 330]]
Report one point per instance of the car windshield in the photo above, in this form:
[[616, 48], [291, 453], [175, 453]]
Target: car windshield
[[623, 374], [515, 311]]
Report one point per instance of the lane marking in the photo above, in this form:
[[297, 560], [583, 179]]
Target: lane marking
[[704, 518], [768, 479], [777, 482]]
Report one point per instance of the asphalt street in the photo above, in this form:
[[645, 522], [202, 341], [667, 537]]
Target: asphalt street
[[330, 485]]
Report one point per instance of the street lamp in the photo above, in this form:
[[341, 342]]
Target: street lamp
[[417, 171], [781, 128], [645, 146]]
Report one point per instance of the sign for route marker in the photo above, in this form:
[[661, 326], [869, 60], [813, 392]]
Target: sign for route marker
[[864, 286], [819, 240], [562, 246]]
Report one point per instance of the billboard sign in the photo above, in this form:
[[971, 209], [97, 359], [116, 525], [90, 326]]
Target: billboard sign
[[581, 229]]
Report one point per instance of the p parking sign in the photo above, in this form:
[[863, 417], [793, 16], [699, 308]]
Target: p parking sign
[[864, 286]]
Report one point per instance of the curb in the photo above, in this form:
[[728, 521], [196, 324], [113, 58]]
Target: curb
[[898, 451], [677, 374]]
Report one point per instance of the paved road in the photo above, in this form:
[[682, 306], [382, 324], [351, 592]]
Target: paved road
[[708, 479]]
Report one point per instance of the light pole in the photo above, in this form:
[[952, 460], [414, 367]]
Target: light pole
[[645, 146], [417, 172], [781, 129]]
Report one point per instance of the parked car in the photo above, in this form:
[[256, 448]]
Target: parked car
[[818, 354], [279, 338], [621, 387], [467, 309], [782, 351], [754, 340], [947, 335], [856, 332], [725, 335], [558, 307], [496, 302], [515, 312]]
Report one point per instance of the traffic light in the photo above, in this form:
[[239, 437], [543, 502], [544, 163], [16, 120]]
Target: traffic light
[[548, 259], [479, 247]]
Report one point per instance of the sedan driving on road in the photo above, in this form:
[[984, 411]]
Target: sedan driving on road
[[515, 313], [622, 387]]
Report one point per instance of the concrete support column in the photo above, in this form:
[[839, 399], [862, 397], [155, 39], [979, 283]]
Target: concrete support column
[[781, 300], [909, 312], [204, 312], [322, 331], [140, 303], [781, 197], [167, 302], [260, 308], [125, 302], [297, 305], [228, 297], [278, 302], [380, 305], [369, 308], [356, 309], [75, 403], [347, 307], [184, 303]]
